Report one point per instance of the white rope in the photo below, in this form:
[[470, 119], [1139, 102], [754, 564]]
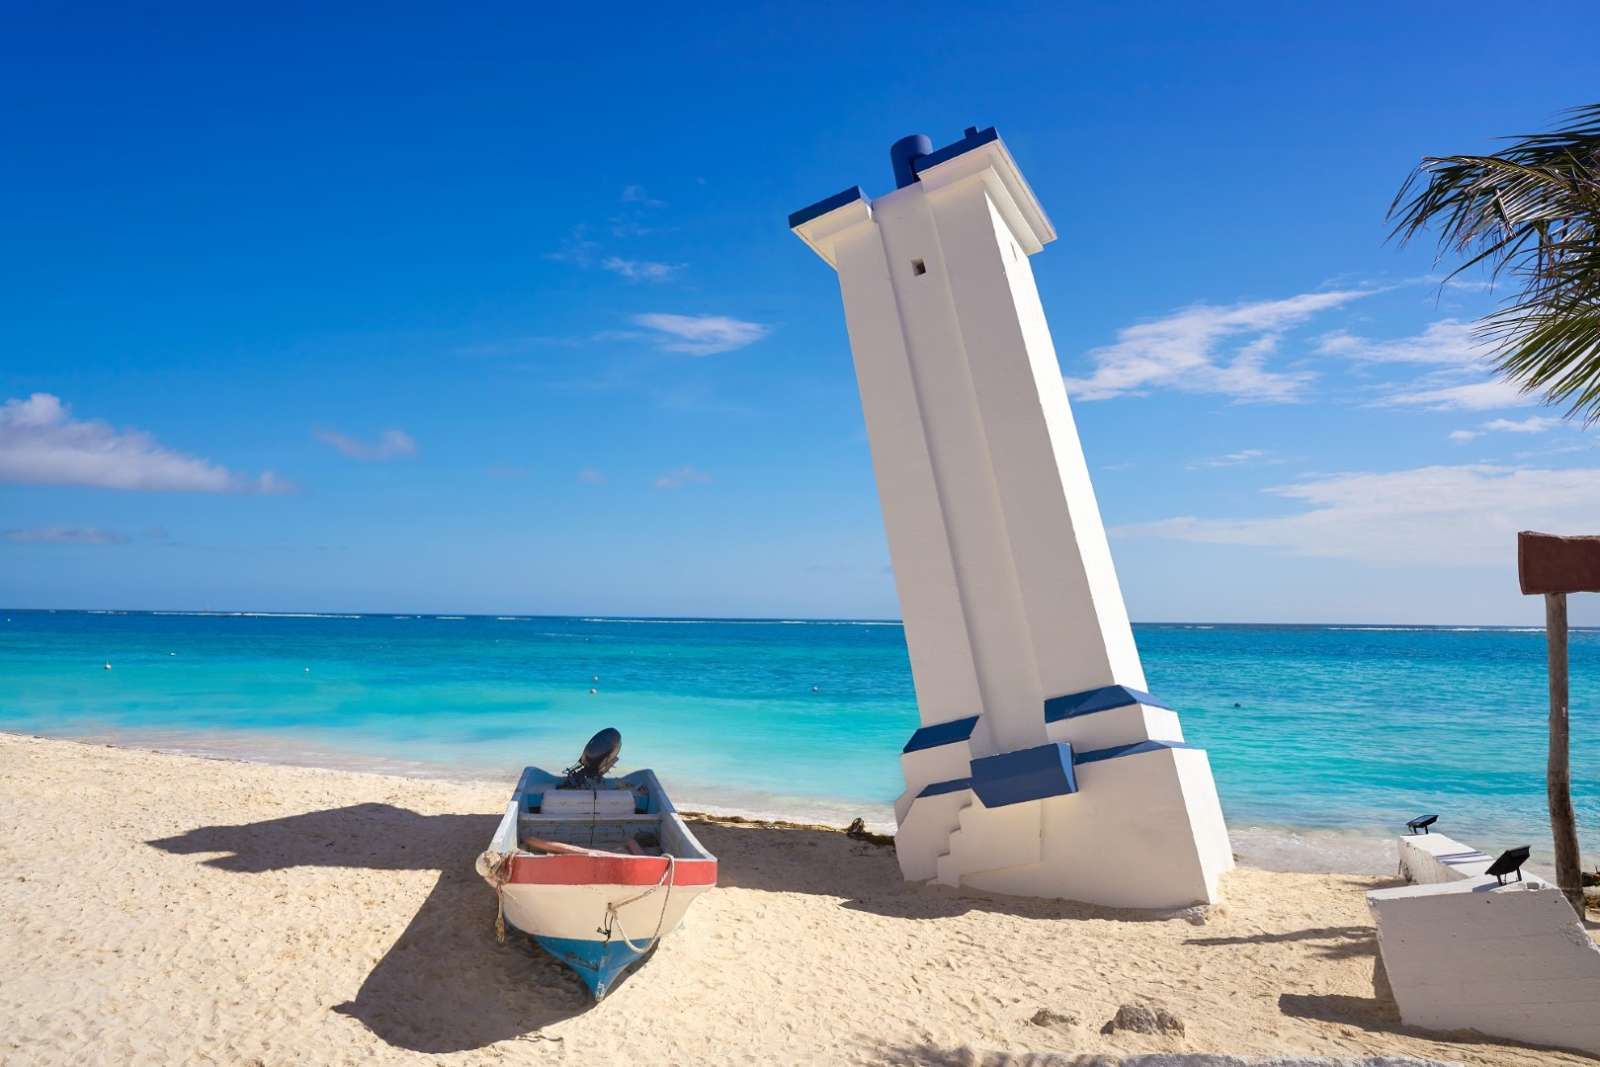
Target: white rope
[[614, 917]]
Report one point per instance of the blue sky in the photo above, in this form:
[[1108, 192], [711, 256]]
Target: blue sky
[[418, 311]]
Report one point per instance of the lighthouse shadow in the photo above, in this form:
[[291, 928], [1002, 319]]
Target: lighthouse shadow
[[796, 858], [445, 985]]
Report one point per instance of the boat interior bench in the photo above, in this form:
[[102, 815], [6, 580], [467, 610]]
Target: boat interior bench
[[604, 819]]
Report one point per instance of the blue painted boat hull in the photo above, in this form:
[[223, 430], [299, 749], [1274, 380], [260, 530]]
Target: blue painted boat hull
[[598, 963]]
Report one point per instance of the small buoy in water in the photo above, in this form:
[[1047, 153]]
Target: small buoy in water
[[592, 692], [172, 653], [108, 666]]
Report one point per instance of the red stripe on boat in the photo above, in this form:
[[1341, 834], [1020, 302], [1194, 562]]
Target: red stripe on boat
[[608, 870]]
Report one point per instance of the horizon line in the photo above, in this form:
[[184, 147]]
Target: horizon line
[[796, 619]]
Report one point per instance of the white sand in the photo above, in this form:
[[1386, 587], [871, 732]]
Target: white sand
[[159, 909]]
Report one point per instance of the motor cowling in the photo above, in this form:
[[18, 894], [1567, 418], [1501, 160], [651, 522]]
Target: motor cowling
[[599, 756]]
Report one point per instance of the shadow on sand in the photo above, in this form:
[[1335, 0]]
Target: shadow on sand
[[445, 985], [794, 858], [1344, 942]]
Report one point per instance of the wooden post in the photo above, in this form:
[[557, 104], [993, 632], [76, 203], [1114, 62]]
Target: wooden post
[[1558, 771]]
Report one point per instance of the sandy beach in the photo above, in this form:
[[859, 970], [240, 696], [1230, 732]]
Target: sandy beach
[[164, 909]]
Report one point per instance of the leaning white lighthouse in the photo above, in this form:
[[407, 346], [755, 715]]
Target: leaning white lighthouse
[[1042, 767]]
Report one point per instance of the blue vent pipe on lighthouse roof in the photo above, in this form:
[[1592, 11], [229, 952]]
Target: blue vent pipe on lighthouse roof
[[903, 156]]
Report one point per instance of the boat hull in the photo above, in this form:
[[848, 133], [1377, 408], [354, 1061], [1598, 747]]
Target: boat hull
[[598, 912], [598, 964]]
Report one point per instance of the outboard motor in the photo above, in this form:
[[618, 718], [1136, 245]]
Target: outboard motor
[[599, 756]]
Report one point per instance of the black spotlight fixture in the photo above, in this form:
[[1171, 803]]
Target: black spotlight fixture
[[1509, 862], [1421, 823]]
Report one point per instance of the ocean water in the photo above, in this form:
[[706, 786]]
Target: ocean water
[[1323, 740]]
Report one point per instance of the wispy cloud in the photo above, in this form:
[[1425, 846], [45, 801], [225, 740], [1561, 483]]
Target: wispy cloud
[[66, 535], [390, 444], [591, 476], [1208, 348], [578, 248], [1468, 396], [1531, 424], [640, 270], [701, 335], [1446, 342], [681, 477], [1234, 459], [42, 444], [1424, 517], [1457, 382], [635, 194]]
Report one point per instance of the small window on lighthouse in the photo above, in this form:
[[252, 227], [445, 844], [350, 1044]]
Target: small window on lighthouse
[[918, 267]]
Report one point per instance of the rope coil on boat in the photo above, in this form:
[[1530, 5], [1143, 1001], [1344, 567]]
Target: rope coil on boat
[[613, 910], [496, 867]]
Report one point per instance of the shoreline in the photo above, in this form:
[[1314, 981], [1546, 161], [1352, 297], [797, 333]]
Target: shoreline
[[165, 908], [1282, 848]]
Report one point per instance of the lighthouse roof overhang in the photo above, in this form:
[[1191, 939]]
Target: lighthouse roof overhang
[[980, 155]]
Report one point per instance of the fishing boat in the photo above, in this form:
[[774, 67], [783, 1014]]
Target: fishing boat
[[597, 870]]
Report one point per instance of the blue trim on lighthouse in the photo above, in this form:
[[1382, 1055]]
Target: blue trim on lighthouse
[[1137, 748], [1092, 700], [1026, 774], [822, 207], [1134, 749], [941, 733]]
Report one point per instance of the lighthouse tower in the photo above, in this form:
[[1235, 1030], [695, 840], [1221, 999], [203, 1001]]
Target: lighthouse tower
[[1042, 766]]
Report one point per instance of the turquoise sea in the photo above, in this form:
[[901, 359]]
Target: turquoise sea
[[1321, 737]]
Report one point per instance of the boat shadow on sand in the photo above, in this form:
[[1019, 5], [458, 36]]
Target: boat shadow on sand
[[445, 985]]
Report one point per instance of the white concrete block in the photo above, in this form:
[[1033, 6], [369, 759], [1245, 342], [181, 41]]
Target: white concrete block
[[1465, 953], [1429, 858]]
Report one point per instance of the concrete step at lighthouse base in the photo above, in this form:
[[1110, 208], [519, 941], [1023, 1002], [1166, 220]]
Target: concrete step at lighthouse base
[[990, 838]]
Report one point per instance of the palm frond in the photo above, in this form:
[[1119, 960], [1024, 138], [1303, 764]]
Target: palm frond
[[1530, 211]]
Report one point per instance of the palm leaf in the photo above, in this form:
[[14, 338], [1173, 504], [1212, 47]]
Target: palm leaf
[[1530, 212]]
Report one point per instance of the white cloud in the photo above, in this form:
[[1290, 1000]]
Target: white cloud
[[682, 476], [1468, 396], [1531, 424], [701, 335], [640, 270], [1209, 349], [42, 444], [1458, 384], [1425, 517], [1446, 342], [591, 476], [1233, 459], [391, 444], [66, 535]]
